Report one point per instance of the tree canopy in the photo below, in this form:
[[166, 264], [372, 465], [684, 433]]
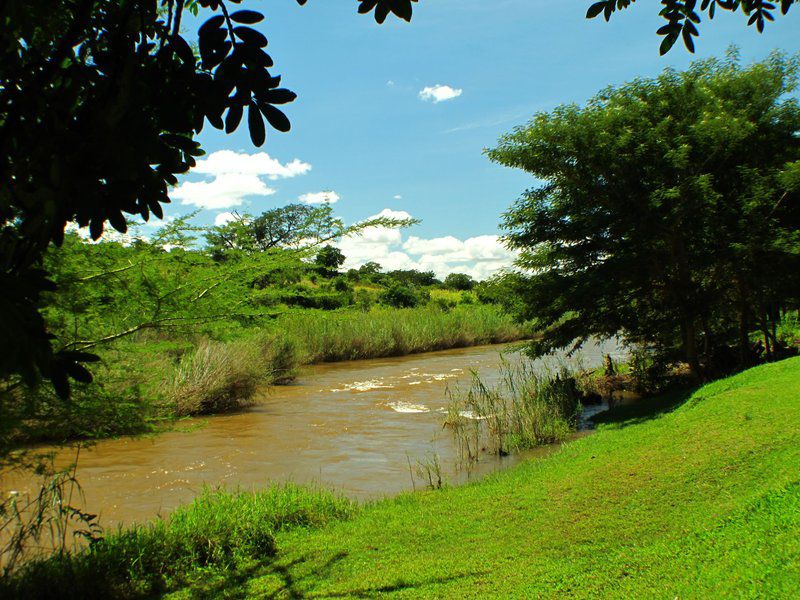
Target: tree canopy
[[667, 211]]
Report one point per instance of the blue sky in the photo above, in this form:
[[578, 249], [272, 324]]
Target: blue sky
[[362, 130]]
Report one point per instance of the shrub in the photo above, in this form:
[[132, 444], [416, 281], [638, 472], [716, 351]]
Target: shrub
[[400, 296], [215, 378], [649, 371], [459, 281]]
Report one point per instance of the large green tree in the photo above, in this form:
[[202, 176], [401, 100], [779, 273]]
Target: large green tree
[[664, 211]]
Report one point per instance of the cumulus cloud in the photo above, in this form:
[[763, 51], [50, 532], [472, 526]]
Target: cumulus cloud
[[233, 176], [439, 93], [397, 197], [480, 256], [259, 164], [223, 218], [328, 197]]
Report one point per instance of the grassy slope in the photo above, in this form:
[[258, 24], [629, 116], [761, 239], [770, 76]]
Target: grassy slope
[[698, 502]]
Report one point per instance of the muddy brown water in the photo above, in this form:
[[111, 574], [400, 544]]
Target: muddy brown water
[[353, 427]]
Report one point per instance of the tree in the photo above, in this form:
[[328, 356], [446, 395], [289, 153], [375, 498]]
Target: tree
[[100, 102], [665, 213], [683, 16], [294, 223], [400, 295], [413, 277], [328, 260], [459, 281], [370, 268]]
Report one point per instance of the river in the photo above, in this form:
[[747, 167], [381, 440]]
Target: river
[[358, 427]]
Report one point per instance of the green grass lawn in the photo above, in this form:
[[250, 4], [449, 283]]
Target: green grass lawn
[[693, 495]]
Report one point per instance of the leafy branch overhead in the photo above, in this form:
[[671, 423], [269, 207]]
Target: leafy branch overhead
[[683, 17], [100, 104]]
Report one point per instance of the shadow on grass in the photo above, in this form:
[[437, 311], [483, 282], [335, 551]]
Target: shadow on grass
[[644, 409], [234, 584]]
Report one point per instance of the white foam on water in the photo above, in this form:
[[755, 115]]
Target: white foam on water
[[407, 407], [442, 376], [414, 382], [364, 386]]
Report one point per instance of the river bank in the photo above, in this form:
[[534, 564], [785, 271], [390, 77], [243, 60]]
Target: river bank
[[694, 493], [361, 427], [145, 382]]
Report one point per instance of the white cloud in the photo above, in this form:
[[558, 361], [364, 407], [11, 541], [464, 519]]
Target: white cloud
[[234, 176], [261, 164], [390, 213], [328, 197], [439, 93], [223, 218], [397, 197], [479, 256]]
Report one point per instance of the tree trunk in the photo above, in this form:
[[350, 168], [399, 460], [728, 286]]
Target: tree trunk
[[690, 350]]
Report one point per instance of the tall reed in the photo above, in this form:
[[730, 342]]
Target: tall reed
[[335, 336], [527, 407]]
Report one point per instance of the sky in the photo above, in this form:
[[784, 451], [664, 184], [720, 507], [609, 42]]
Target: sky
[[393, 119]]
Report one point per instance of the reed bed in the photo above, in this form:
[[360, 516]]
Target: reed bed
[[527, 407], [336, 336]]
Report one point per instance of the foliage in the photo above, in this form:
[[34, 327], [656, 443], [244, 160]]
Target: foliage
[[290, 226], [662, 214], [328, 260], [683, 16], [413, 277], [101, 102], [459, 281], [400, 296]]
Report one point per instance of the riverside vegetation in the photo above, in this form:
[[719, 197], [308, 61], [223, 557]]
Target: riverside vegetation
[[633, 232], [198, 330], [686, 494]]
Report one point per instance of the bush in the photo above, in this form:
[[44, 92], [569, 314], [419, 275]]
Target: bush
[[215, 378], [459, 281], [649, 371], [400, 296]]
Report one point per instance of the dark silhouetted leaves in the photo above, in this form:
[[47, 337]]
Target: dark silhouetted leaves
[[248, 17], [250, 36], [255, 124], [104, 129], [275, 117], [233, 118], [682, 16]]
